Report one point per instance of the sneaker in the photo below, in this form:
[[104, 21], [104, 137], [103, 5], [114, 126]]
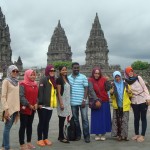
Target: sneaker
[[87, 140], [64, 141], [40, 143], [97, 138], [47, 142], [103, 138], [78, 138]]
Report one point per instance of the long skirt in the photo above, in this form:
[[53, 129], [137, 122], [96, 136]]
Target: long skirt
[[101, 119], [120, 123]]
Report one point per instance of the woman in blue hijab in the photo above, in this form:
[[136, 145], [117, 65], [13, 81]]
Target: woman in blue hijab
[[120, 93]]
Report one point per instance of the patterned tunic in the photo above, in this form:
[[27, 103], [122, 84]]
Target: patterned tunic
[[66, 102]]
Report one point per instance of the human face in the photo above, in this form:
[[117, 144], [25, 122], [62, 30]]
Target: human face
[[32, 76], [131, 73], [117, 78], [75, 69], [96, 74], [52, 72], [63, 71], [14, 73]]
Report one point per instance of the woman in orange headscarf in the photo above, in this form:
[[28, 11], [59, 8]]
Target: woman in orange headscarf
[[138, 100]]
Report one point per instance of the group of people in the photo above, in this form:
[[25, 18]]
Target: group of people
[[69, 94]]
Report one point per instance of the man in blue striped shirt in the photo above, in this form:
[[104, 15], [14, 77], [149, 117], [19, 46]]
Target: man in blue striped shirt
[[79, 88]]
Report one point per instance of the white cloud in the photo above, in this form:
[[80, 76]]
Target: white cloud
[[31, 23]]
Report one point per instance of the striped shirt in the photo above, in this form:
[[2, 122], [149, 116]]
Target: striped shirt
[[77, 84]]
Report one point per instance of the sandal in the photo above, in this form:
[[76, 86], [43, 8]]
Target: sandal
[[125, 139], [47, 142], [64, 141], [135, 137], [30, 146], [119, 138], [140, 139], [40, 143], [24, 147]]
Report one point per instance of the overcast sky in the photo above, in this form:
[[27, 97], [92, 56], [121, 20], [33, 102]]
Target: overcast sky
[[126, 26]]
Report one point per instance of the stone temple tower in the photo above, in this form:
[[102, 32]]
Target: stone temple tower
[[96, 47], [59, 49], [5, 49], [19, 64]]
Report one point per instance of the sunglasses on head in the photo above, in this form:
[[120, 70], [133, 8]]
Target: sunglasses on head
[[15, 71], [52, 70]]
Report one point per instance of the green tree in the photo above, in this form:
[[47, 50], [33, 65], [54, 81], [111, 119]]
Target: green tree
[[140, 65], [62, 63]]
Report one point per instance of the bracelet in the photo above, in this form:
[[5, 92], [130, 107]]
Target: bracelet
[[84, 100]]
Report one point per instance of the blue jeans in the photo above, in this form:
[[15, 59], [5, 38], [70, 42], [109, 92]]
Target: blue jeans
[[6, 132], [85, 122]]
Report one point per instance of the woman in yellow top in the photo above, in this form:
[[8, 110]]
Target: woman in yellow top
[[120, 93], [46, 101]]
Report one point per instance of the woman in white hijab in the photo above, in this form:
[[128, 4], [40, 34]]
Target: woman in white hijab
[[10, 102]]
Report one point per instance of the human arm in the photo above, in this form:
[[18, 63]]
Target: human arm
[[40, 93], [59, 97], [85, 84]]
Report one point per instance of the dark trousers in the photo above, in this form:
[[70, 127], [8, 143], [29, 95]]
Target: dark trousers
[[43, 125], [61, 127], [25, 124], [140, 112]]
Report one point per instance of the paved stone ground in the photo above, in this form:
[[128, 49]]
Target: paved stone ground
[[109, 144]]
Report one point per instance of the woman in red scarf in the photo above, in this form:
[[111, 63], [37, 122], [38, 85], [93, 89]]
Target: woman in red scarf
[[100, 118], [28, 100]]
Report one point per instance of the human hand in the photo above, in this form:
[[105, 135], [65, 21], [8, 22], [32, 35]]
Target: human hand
[[7, 115], [39, 106], [62, 106], [83, 104], [23, 107], [35, 106], [31, 107], [112, 90]]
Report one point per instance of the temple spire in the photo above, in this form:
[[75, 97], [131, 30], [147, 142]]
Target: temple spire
[[59, 25], [59, 49], [5, 48], [96, 47]]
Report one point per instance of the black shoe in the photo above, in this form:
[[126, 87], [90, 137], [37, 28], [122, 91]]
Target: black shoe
[[64, 141], [78, 138], [87, 140]]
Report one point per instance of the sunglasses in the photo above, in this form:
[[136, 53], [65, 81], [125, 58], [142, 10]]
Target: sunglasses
[[52, 70], [15, 71]]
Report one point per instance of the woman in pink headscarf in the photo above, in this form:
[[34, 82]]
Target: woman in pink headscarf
[[28, 101]]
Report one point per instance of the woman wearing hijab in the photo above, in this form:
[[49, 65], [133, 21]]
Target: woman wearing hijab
[[120, 93], [64, 107], [46, 101], [10, 103], [28, 101], [138, 100], [100, 118]]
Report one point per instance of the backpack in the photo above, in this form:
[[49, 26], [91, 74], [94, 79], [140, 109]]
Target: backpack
[[70, 130]]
